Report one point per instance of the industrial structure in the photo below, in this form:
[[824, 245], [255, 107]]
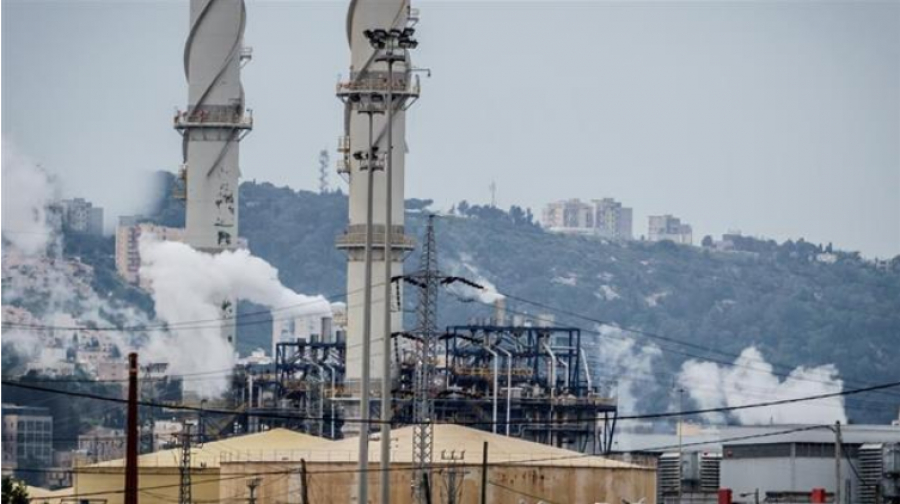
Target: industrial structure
[[511, 469], [212, 127], [219, 471], [529, 382], [785, 463], [163, 470], [363, 148]]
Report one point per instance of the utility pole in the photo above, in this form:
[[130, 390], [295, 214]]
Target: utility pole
[[131, 455], [304, 477], [838, 483], [391, 47], [493, 188], [369, 103], [680, 443], [484, 473]]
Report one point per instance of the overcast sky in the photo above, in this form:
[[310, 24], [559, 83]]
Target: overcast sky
[[780, 119]]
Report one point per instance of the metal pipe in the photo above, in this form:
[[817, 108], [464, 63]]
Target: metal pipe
[[496, 386], [508, 386], [331, 370], [388, 273], [587, 369], [552, 377], [320, 414], [565, 364]]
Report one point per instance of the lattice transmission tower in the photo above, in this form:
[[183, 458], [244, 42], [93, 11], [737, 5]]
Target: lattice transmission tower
[[428, 280]]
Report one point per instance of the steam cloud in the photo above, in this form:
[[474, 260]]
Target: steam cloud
[[188, 289], [751, 380], [57, 290], [616, 355], [464, 267], [27, 193]]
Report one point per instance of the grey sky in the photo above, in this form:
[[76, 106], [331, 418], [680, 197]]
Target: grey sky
[[780, 119]]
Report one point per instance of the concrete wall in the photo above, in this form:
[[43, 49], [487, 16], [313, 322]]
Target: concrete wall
[[336, 482], [158, 485]]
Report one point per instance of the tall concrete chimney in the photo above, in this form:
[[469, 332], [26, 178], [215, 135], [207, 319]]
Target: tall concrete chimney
[[211, 128]]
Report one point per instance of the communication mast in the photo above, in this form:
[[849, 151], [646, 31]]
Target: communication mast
[[324, 160]]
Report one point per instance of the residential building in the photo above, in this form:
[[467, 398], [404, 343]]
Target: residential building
[[27, 438], [102, 443], [81, 216], [667, 227], [604, 217], [612, 220], [128, 237], [568, 215]]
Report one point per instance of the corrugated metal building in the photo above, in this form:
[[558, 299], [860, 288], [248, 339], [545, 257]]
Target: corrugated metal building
[[160, 477], [518, 471], [221, 471]]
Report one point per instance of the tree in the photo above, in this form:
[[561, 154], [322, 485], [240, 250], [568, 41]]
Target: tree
[[14, 491], [707, 241], [418, 204]]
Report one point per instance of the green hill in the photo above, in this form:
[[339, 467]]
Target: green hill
[[799, 303]]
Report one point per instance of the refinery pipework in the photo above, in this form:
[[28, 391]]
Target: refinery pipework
[[211, 128]]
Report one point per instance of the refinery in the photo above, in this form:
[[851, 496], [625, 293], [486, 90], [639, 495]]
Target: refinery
[[371, 396]]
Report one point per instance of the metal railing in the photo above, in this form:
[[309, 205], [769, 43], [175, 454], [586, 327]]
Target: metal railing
[[356, 236], [225, 118]]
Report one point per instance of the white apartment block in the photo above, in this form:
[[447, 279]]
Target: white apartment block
[[572, 215], [128, 254], [82, 216], [612, 220], [604, 217], [667, 227]]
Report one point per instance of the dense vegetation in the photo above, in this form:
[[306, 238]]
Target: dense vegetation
[[801, 304]]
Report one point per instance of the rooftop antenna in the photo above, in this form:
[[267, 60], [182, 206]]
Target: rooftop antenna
[[324, 160]]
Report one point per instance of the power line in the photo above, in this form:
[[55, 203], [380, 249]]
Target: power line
[[544, 234], [519, 492], [669, 414], [651, 335], [288, 472], [189, 325]]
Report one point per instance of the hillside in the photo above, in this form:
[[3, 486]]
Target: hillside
[[797, 303]]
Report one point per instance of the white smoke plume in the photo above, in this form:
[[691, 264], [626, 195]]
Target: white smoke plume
[[188, 288], [28, 191], [617, 356], [41, 287], [751, 380], [465, 268]]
